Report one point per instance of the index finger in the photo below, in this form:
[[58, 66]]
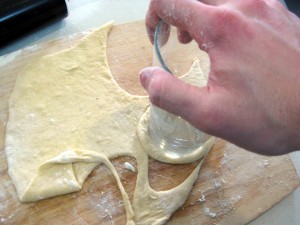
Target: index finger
[[181, 14]]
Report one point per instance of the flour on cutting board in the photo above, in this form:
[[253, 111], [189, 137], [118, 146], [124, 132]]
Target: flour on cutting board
[[10, 57], [225, 202], [222, 203], [5, 59]]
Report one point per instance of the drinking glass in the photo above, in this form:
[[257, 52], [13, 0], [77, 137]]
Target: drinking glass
[[168, 132]]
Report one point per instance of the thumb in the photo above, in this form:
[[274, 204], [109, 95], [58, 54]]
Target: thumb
[[171, 94]]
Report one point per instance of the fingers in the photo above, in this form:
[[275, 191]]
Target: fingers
[[168, 92], [182, 14], [152, 20], [163, 33], [184, 36]]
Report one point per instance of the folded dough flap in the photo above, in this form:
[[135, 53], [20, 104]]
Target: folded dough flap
[[59, 175]]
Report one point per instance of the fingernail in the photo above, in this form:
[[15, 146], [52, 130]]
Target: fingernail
[[144, 77]]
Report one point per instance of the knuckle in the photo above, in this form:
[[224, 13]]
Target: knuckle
[[226, 17], [256, 7], [252, 4], [230, 24], [226, 22], [255, 3]]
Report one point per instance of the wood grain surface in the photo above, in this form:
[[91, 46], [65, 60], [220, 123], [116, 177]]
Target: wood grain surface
[[234, 186]]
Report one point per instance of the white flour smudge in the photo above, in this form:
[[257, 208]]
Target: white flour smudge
[[209, 213], [5, 59]]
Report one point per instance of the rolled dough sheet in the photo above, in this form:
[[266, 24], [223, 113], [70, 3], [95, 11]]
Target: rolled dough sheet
[[66, 115]]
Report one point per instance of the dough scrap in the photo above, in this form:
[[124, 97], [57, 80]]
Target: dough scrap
[[67, 115]]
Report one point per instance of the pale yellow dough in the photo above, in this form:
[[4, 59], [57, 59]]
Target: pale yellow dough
[[66, 115]]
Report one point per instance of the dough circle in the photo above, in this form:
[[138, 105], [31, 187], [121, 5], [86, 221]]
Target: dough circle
[[165, 156]]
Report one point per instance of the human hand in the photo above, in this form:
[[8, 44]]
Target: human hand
[[252, 98]]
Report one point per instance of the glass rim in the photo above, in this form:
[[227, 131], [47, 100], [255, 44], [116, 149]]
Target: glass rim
[[157, 46]]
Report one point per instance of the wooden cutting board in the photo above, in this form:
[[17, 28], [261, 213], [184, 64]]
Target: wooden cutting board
[[234, 186]]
